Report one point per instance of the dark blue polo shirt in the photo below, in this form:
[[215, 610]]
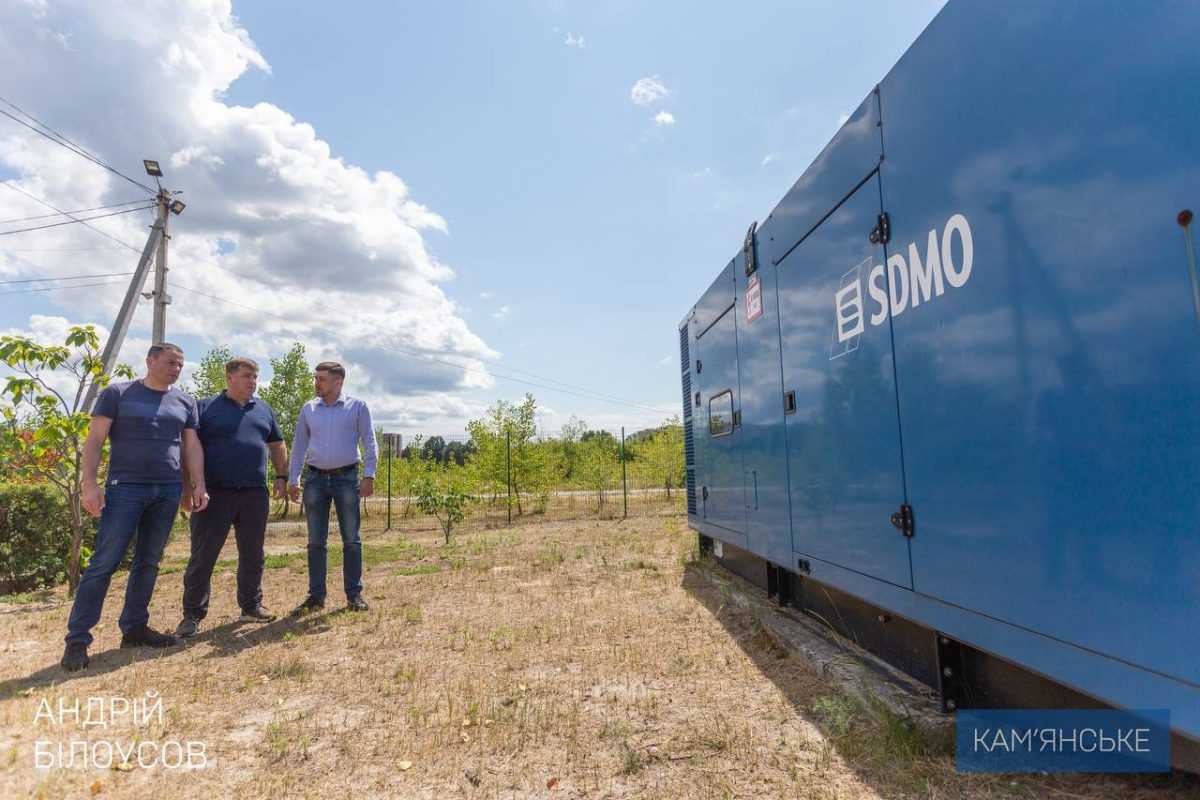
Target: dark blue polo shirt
[[147, 430], [235, 441]]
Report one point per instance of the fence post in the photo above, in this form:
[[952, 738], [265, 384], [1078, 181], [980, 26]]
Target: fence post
[[624, 486], [508, 463], [389, 479]]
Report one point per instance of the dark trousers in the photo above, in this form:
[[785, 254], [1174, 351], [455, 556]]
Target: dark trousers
[[133, 512], [246, 510]]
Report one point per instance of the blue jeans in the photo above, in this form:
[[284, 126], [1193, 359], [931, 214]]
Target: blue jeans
[[144, 509], [342, 490]]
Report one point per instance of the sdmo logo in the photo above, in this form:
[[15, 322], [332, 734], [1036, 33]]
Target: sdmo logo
[[908, 283]]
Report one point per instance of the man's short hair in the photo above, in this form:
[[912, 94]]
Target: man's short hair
[[155, 349], [241, 362], [333, 368]]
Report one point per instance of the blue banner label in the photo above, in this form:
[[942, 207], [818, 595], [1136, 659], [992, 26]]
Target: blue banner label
[[1063, 740]]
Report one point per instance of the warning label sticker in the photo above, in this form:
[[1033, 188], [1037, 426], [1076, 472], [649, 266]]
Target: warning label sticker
[[754, 306]]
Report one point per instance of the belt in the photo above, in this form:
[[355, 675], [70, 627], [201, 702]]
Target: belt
[[335, 470]]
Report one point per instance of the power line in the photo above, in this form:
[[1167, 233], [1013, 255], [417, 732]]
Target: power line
[[68, 277], [64, 142], [78, 211], [16, 188], [427, 358], [55, 249], [62, 288], [73, 220]]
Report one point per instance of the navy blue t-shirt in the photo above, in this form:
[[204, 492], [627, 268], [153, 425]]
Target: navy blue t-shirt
[[147, 429], [235, 441]]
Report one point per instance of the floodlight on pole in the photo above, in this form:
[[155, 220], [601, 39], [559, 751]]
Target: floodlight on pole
[[177, 207], [152, 168]]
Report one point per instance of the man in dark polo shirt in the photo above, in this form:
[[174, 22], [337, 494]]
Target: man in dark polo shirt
[[152, 428], [237, 431]]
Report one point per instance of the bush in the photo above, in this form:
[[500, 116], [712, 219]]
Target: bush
[[35, 537]]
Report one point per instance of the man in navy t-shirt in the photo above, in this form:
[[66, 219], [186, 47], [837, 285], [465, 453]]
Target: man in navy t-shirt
[[152, 428], [237, 431]]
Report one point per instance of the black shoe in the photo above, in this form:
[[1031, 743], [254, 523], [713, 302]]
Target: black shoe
[[310, 604], [145, 636], [256, 614], [357, 604], [75, 657], [187, 628]]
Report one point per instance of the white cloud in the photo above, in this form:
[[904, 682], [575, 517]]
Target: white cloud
[[37, 8], [702, 173], [664, 118], [605, 418], [486, 295], [768, 158], [647, 91], [574, 41], [502, 312], [324, 251]]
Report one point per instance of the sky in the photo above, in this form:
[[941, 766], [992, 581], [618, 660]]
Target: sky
[[461, 202]]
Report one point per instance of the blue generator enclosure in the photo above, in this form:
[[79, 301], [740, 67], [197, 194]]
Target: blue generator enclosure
[[955, 372]]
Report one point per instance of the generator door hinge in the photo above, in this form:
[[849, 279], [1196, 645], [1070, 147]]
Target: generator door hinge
[[903, 520], [882, 232], [748, 249]]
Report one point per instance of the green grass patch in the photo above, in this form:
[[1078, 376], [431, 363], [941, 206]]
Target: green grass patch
[[20, 598], [293, 667], [419, 569]]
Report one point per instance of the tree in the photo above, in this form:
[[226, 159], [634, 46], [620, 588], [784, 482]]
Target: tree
[[598, 462], [659, 455], [446, 502], [411, 469], [568, 444], [503, 440], [290, 388], [433, 449], [45, 421], [209, 377], [459, 452]]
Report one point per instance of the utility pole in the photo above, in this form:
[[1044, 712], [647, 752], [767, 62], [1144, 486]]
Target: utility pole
[[161, 298], [166, 206], [156, 247], [121, 326]]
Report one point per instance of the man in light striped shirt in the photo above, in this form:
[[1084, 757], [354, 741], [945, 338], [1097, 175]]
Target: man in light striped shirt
[[329, 431]]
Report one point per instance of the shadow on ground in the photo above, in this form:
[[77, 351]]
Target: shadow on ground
[[227, 639], [889, 760]]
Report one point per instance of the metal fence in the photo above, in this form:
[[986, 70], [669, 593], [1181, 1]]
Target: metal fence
[[616, 476]]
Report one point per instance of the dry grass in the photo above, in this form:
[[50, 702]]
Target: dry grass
[[563, 659]]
